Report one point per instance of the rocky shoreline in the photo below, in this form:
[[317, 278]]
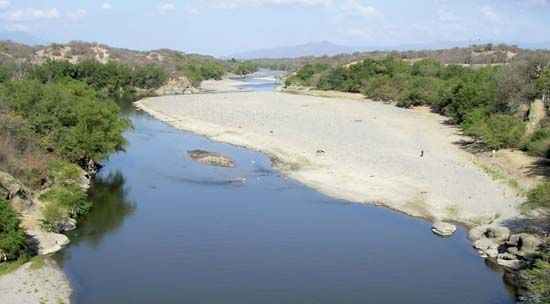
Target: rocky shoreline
[[48, 283]]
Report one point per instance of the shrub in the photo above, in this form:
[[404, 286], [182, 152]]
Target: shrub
[[63, 173], [12, 238], [68, 118], [63, 202], [539, 196], [539, 143], [537, 279], [496, 131]]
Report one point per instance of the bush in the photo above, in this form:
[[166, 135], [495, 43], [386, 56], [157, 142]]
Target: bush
[[63, 202], [20, 153], [68, 118], [111, 77], [12, 238], [539, 196], [539, 143], [537, 279], [63, 173], [244, 68], [496, 131]]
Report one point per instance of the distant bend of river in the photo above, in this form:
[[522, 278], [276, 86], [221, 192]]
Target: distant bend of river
[[164, 229]]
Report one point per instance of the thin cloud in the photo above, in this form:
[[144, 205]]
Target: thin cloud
[[18, 27], [30, 14], [167, 7], [77, 14], [349, 7], [4, 5], [106, 6]]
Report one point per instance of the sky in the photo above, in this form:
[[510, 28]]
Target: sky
[[222, 27]]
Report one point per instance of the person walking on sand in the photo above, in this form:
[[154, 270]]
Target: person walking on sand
[[421, 153]]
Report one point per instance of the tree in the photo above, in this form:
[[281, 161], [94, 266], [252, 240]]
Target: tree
[[495, 131], [68, 118], [12, 238]]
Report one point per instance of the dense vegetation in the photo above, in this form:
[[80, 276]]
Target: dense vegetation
[[12, 238], [111, 77], [537, 280], [482, 54], [55, 121]]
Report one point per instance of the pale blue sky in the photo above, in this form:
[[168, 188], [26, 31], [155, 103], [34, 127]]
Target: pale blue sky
[[221, 27]]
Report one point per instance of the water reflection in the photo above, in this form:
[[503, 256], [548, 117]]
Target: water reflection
[[111, 207]]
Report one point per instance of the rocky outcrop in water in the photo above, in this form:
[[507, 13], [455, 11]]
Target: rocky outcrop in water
[[211, 158], [510, 250], [443, 229]]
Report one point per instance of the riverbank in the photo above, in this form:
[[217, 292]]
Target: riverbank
[[41, 281], [364, 152]]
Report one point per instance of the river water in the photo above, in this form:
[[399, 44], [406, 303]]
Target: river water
[[164, 229]]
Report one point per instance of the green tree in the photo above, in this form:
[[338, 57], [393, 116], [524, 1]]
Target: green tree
[[12, 238], [495, 131], [68, 118]]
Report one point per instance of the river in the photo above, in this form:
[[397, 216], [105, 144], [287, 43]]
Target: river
[[164, 229]]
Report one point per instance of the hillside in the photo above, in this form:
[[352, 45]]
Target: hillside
[[185, 71], [472, 55]]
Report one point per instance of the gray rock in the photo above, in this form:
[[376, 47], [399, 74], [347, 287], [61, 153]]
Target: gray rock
[[443, 229], [500, 234], [477, 232], [507, 256], [530, 243], [69, 225], [525, 243], [211, 158], [511, 264], [487, 246], [48, 242]]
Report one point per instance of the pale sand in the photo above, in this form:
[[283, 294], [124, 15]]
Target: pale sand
[[48, 284], [224, 85], [371, 150]]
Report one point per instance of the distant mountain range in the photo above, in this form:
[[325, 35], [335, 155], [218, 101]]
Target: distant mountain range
[[308, 49], [330, 49], [22, 37]]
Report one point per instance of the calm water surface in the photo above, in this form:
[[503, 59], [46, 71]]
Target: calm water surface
[[164, 229]]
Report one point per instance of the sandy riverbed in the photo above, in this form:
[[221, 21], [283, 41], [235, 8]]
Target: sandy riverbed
[[371, 150], [47, 284]]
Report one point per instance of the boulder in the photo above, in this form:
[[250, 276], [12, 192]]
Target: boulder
[[525, 243], [443, 229], [511, 264], [47, 242], [68, 225], [500, 234], [487, 246], [211, 158], [477, 232]]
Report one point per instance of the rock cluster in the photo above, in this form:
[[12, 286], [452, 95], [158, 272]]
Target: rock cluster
[[509, 250]]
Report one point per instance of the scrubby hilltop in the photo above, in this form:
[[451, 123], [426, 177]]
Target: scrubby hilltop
[[184, 71]]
